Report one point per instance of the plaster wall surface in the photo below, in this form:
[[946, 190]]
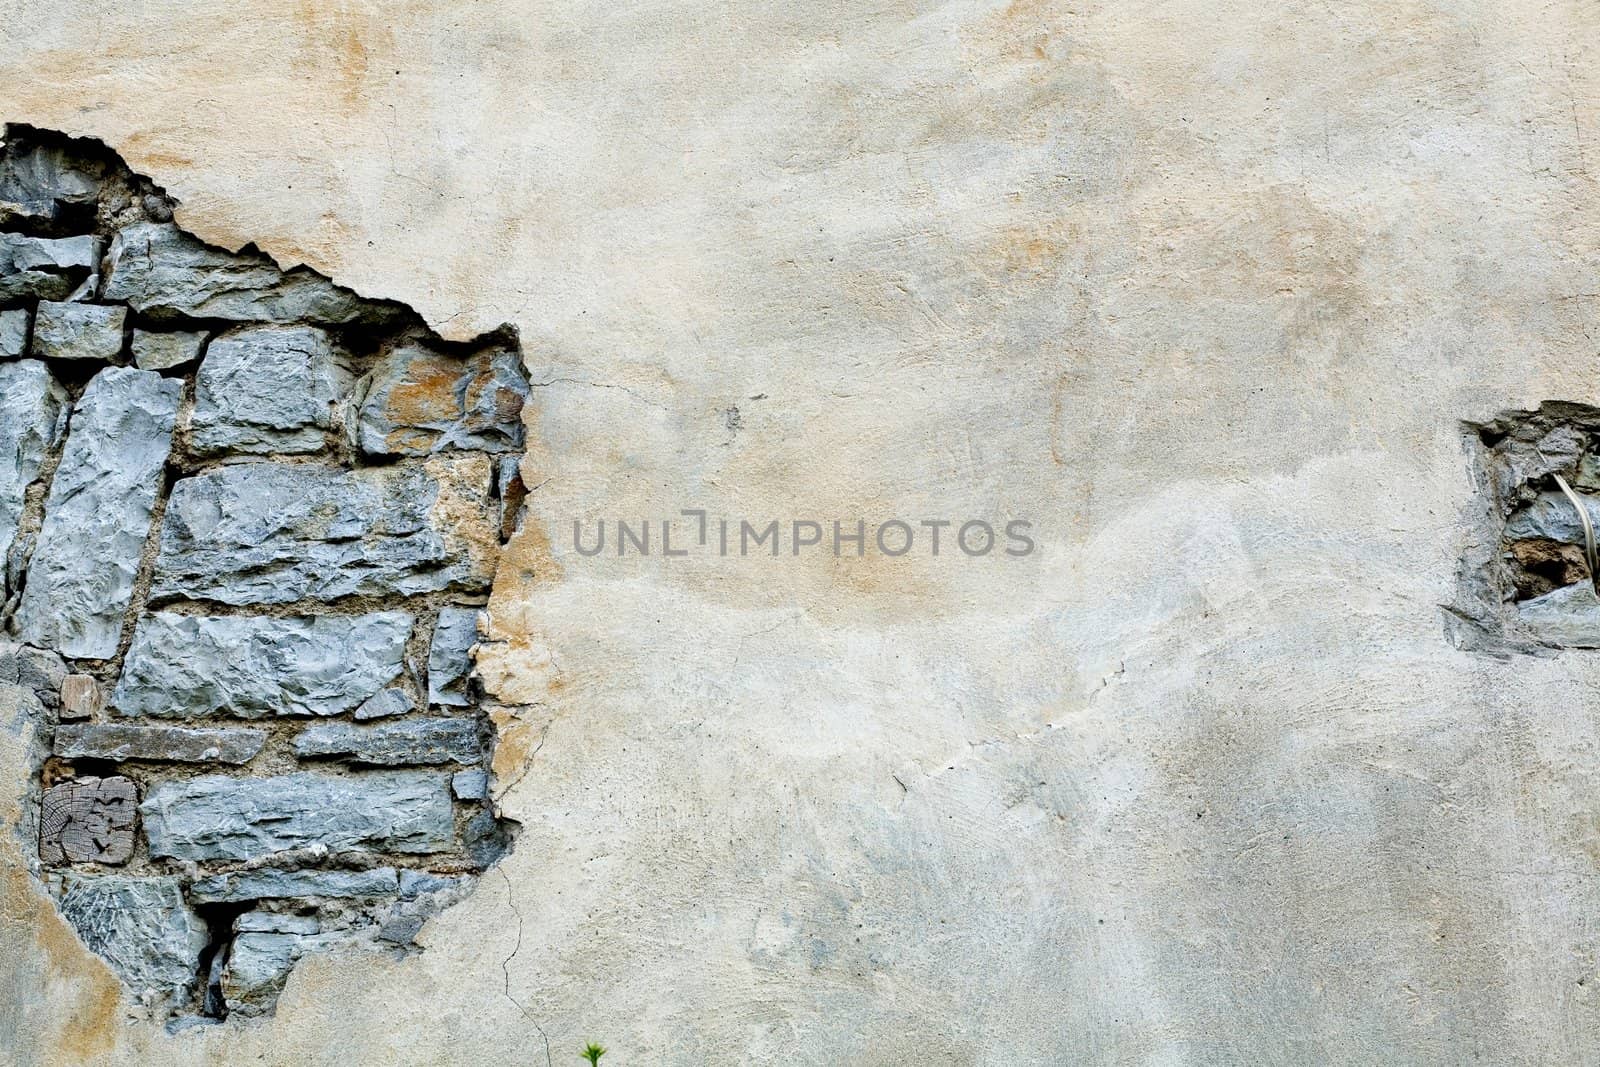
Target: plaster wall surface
[[1202, 289]]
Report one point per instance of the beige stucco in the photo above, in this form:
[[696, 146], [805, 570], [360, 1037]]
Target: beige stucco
[[1203, 288]]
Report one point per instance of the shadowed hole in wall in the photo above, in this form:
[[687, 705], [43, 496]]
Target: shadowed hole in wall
[[248, 524], [1524, 585]]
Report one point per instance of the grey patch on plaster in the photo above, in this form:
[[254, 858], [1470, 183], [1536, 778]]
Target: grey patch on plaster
[[1522, 585], [204, 552]]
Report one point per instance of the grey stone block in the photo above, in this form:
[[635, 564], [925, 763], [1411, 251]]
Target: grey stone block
[[121, 741], [163, 351], [267, 389], [97, 514], [185, 666], [163, 272], [33, 409], [259, 965], [414, 884], [44, 268], [385, 703], [13, 333], [418, 401], [78, 331], [272, 922], [269, 884], [450, 657], [405, 741], [35, 669], [142, 928], [1568, 617], [219, 817], [270, 533], [470, 785], [43, 183], [1551, 515]]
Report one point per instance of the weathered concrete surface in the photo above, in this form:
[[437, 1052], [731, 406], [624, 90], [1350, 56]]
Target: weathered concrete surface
[[1203, 288]]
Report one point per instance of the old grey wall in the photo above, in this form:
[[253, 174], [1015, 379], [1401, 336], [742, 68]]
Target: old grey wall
[[1203, 288]]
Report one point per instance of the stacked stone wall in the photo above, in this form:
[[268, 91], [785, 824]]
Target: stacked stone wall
[[248, 524]]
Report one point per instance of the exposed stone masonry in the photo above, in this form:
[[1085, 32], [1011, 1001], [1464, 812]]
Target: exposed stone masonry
[[248, 521], [1524, 585]]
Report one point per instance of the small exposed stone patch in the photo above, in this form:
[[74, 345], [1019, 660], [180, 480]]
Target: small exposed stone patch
[[248, 523], [1524, 585]]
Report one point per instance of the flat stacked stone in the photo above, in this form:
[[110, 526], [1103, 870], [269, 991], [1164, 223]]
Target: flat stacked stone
[[160, 271], [218, 817], [188, 666], [275, 533], [399, 743], [43, 268], [120, 741]]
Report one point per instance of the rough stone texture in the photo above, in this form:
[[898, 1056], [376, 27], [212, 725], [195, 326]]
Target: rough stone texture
[[33, 668], [87, 820], [384, 703], [267, 389], [44, 268], [161, 271], [32, 406], [450, 656], [166, 350], [414, 884], [407, 741], [82, 696], [265, 533], [276, 884], [98, 513], [185, 666], [141, 927], [1568, 617], [470, 785], [42, 185], [78, 331], [260, 963], [276, 923], [118, 741], [13, 333], [419, 401], [219, 817], [1552, 515]]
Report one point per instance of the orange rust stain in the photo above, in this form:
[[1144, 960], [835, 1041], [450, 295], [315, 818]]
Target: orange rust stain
[[340, 42], [427, 395]]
